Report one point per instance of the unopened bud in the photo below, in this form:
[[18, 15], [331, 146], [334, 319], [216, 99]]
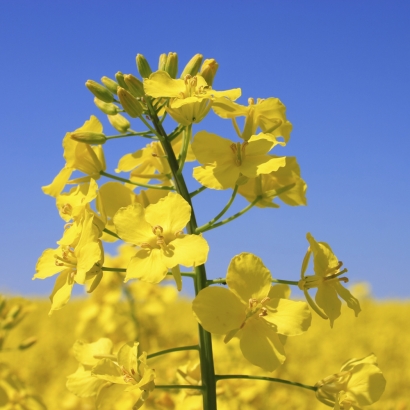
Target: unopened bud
[[25, 344], [89, 137], [14, 311], [171, 66], [106, 108], [100, 91], [119, 76], [143, 67], [130, 104], [208, 70], [110, 84], [8, 323], [119, 122], [162, 62], [193, 65], [135, 86]]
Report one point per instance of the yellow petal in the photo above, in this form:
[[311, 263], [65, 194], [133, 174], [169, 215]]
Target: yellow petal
[[218, 310], [172, 213], [62, 290], [148, 266], [46, 264], [345, 294], [59, 182], [261, 345], [82, 383], [209, 148], [113, 196], [131, 225], [227, 109], [289, 317], [217, 176], [108, 394], [105, 369], [248, 278], [160, 84], [327, 300], [85, 352], [188, 250]]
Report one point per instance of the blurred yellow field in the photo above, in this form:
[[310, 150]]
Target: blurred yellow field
[[163, 320]]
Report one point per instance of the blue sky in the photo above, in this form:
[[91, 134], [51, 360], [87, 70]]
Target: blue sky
[[340, 67]]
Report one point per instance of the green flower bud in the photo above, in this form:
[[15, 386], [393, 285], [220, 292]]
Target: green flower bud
[[143, 67], [135, 86], [208, 70], [171, 66], [119, 122], [192, 66], [100, 91], [120, 79], [89, 137], [110, 84], [162, 62], [106, 108], [25, 344], [130, 104]]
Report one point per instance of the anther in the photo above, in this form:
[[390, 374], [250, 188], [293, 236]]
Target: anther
[[251, 101], [266, 299], [157, 230], [66, 209], [263, 312]]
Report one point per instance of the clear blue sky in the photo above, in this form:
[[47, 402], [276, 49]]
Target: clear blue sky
[[341, 68]]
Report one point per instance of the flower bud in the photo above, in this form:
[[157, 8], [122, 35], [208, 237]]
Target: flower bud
[[14, 311], [110, 84], [119, 122], [143, 67], [100, 91], [130, 104], [135, 86], [208, 70], [106, 108], [193, 65], [89, 137], [171, 66], [162, 62], [119, 76], [25, 344]]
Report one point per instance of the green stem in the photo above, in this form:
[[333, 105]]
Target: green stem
[[205, 228], [269, 379], [205, 340], [167, 188], [184, 149], [131, 302], [146, 123], [178, 386], [286, 282], [174, 134], [111, 233], [145, 134], [197, 191], [187, 274], [221, 281], [106, 269], [174, 349]]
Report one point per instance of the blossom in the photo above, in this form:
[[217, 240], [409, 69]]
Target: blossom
[[157, 230], [267, 186], [359, 383], [268, 115], [191, 96], [224, 161], [78, 259], [327, 280], [109, 376], [79, 156], [252, 310]]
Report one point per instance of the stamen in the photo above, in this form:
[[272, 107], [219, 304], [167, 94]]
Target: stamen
[[264, 300], [263, 312], [145, 245], [66, 209], [251, 101], [157, 230]]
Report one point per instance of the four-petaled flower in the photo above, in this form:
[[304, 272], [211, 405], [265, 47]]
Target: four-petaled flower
[[225, 161], [191, 96], [327, 281], [252, 310], [359, 383], [157, 230]]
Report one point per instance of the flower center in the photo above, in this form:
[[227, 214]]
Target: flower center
[[256, 307], [238, 150]]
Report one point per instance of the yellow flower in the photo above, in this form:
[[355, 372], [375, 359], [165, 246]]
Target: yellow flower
[[327, 281], [252, 310], [81, 157], [266, 186], [359, 383], [191, 97], [157, 230], [78, 259], [268, 115], [225, 161]]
